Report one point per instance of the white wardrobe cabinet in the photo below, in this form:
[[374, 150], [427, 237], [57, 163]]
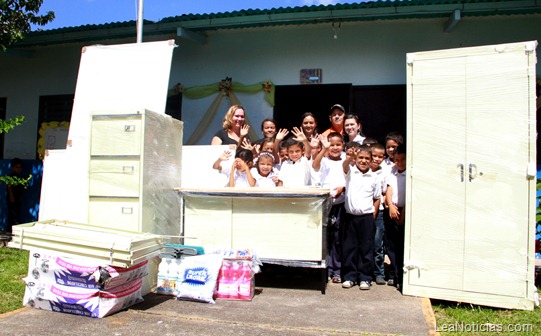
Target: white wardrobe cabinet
[[470, 212], [135, 164]]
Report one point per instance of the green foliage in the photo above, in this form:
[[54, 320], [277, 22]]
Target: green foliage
[[16, 16], [9, 180], [8, 125], [13, 267]]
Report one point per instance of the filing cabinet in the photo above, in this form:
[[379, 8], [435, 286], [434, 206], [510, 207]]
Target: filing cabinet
[[135, 164]]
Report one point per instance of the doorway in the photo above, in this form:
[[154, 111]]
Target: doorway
[[292, 101], [380, 108]]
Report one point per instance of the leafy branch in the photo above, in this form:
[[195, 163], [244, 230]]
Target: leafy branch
[[12, 180], [8, 125], [5, 127]]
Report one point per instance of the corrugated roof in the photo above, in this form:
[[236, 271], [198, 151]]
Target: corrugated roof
[[249, 18]]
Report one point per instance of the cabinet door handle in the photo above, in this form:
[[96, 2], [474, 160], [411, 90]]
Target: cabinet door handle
[[460, 166], [128, 169], [129, 128], [472, 170]]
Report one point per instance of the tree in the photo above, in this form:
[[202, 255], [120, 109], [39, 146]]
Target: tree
[[16, 16]]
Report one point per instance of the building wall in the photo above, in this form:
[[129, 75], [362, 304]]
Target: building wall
[[365, 53]]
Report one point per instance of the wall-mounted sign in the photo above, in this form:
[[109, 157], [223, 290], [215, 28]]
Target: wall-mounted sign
[[311, 76]]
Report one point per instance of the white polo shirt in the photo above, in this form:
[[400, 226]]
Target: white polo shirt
[[397, 181], [361, 191], [332, 174], [296, 174]]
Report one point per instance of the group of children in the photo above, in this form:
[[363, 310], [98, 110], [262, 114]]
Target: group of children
[[367, 189]]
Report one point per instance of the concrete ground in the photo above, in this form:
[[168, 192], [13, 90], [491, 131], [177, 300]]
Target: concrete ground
[[286, 303]]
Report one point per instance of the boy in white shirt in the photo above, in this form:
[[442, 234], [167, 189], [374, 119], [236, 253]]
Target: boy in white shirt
[[328, 163], [296, 171], [378, 154], [363, 193], [393, 216]]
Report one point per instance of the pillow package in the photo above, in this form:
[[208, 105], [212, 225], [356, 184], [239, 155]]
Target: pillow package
[[197, 277]]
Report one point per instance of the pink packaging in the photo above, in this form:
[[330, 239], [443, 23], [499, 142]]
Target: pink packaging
[[236, 280], [51, 266], [81, 301]]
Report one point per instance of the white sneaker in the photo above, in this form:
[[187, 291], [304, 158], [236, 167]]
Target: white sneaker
[[347, 284], [365, 285]]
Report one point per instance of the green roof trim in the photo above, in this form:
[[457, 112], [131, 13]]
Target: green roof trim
[[252, 18]]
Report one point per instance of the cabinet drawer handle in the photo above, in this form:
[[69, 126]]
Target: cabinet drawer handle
[[129, 128], [127, 210], [128, 169]]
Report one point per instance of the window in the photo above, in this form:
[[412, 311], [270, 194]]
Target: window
[[53, 108]]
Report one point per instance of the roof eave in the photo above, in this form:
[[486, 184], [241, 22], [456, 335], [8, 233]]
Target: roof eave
[[323, 14]]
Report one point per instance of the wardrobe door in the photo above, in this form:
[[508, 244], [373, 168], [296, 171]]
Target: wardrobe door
[[497, 189], [435, 163]]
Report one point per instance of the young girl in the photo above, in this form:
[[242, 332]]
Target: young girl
[[239, 173], [264, 172], [296, 172]]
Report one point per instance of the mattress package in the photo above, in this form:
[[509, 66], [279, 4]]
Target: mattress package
[[52, 266], [88, 302]]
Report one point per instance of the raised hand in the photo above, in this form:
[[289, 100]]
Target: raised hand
[[256, 149], [281, 134], [299, 134], [244, 130], [246, 144], [324, 141], [225, 155]]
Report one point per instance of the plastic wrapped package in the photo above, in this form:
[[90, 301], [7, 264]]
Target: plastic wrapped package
[[197, 277], [101, 245], [279, 223], [470, 185], [53, 267], [236, 280], [135, 164], [81, 301]]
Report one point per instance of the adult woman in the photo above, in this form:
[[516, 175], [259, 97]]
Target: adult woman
[[309, 125], [233, 128], [353, 129]]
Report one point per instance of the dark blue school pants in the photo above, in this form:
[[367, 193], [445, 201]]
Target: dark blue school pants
[[358, 248]]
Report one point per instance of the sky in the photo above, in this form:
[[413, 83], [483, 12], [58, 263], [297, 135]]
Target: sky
[[72, 13]]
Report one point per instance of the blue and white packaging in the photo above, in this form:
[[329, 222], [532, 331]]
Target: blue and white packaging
[[197, 277]]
